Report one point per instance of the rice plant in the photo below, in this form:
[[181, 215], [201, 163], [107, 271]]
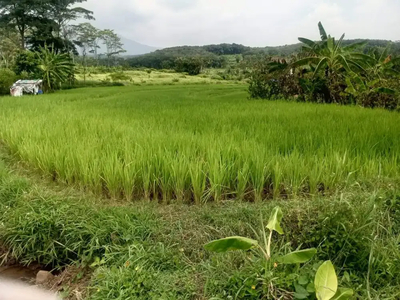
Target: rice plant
[[199, 143]]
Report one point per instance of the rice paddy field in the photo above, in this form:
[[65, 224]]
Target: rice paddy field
[[116, 190], [199, 143]]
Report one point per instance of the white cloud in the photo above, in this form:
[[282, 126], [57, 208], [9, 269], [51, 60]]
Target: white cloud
[[251, 22]]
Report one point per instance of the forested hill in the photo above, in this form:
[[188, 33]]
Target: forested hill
[[162, 58]]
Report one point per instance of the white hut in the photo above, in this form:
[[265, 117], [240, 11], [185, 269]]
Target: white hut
[[26, 87]]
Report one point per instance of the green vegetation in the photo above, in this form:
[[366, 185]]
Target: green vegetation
[[329, 72], [199, 144], [84, 173], [145, 251], [325, 285], [218, 55]]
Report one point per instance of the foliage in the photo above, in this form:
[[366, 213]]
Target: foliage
[[155, 251], [40, 18], [26, 62], [9, 47], [264, 246], [56, 68], [7, 79], [190, 65], [330, 71], [20, 14], [119, 76], [113, 44], [168, 58], [87, 37]]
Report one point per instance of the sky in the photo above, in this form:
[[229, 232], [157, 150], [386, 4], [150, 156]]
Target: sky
[[258, 23]]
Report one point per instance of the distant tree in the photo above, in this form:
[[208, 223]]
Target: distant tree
[[64, 11], [26, 63], [190, 65], [113, 43], [20, 14], [86, 38], [9, 47], [42, 34]]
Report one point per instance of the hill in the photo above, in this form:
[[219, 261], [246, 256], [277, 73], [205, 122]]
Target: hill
[[163, 58], [135, 48]]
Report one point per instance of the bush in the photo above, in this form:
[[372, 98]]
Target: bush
[[190, 65], [7, 79], [374, 99], [120, 76], [27, 61], [263, 88]]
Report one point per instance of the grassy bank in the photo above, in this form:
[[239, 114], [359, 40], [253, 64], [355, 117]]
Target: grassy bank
[[147, 251], [200, 143]]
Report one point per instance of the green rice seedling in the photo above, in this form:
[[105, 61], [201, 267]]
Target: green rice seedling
[[199, 143]]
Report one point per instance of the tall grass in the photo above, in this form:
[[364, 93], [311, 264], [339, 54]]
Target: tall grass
[[199, 143]]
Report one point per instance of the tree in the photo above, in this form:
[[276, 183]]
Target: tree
[[191, 65], [42, 34], [64, 11], [86, 38], [41, 17], [56, 68], [113, 43], [20, 14], [9, 47], [329, 55]]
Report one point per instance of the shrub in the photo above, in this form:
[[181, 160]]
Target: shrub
[[26, 61], [374, 99], [119, 76], [190, 65], [7, 79]]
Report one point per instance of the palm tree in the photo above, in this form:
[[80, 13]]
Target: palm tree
[[56, 68], [330, 55]]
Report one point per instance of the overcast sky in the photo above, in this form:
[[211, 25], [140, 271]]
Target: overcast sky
[[165, 23]]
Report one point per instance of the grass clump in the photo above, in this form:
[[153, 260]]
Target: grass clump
[[146, 251], [56, 231]]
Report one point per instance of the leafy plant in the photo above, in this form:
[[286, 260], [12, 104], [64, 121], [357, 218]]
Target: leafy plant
[[325, 283], [274, 225], [7, 78], [330, 55], [241, 243], [56, 68]]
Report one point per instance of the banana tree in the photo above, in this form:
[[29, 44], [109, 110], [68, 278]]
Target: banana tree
[[331, 56], [56, 68], [264, 246], [382, 65]]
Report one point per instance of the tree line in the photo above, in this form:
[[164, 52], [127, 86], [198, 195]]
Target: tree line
[[331, 71], [36, 36]]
